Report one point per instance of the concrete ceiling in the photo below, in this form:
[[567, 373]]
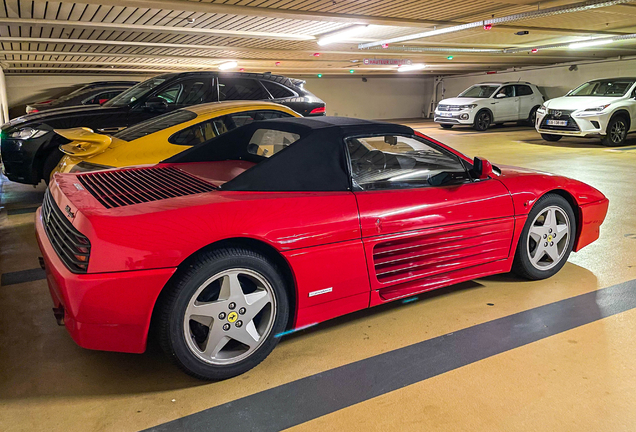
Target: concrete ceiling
[[151, 36]]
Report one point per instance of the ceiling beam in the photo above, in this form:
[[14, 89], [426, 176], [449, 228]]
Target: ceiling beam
[[156, 29], [220, 8], [480, 59]]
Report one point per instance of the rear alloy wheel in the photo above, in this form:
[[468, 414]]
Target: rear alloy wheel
[[546, 240], [482, 121], [551, 138], [222, 316], [616, 132], [446, 126]]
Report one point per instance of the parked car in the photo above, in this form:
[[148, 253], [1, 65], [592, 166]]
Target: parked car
[[484, 104], [95, 93], [159, 138], [602, 108], [30, 148], [285, 223]]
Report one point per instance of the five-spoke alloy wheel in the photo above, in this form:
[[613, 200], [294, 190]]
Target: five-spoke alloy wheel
[[547, 238], [221, 316]]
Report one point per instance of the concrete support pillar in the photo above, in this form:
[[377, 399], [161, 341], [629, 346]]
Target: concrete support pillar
[[4, 103]]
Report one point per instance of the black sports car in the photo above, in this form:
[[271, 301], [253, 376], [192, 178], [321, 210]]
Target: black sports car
[[30, 148], [95, 93]]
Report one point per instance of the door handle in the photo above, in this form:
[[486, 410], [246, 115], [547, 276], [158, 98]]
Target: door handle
[[492, 103]]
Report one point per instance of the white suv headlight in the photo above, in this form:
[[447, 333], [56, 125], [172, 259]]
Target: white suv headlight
[[471, 106], [27, 133], [542, 108]]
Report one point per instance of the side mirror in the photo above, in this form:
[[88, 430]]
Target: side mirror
[[500, 95], [156, 104], [482, 169]]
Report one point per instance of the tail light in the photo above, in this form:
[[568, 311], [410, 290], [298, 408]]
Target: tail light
[[319, 110]]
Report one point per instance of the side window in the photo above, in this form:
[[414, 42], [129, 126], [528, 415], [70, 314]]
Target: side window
[[188, 92], [277, 91], [267, 142], [509, 91], [240, 89], [396, 162], [523, 90], [247, 117], [170, 94], [209, 129]]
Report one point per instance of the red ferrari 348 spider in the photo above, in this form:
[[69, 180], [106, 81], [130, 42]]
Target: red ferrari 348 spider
[[285, 223]]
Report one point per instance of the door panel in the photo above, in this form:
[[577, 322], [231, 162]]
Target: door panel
[[416, 234], [505, 109]]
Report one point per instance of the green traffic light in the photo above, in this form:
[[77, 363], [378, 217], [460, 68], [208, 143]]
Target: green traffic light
[[319, 75], [449, 57], [351, 71]]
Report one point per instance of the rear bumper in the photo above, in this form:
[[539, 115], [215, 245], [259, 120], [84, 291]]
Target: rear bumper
[[102, 311], [591, 217]]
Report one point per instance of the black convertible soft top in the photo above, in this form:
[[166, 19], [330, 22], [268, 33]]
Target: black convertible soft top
[[317, 161]]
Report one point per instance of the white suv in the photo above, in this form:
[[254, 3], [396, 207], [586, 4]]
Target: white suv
[[601, 108], [484, 104]]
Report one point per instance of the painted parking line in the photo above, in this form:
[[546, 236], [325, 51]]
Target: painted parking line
[[17, 211], [22, 276], [305, 399], [621, 149]]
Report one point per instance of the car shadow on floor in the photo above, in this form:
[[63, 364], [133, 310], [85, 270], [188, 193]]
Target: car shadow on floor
[[588, 143], [56, 367]]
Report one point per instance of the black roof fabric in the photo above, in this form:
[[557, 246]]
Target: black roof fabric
[[316, 162]]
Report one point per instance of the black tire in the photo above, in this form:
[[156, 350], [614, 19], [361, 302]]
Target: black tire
[[532, 118], [551, 138], [522, 266], [616, 132], [446, 126], [482, 121], [175, 301], [50, 163]]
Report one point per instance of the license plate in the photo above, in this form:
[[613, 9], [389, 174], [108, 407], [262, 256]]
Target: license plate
[[445, 114], [557, 122]]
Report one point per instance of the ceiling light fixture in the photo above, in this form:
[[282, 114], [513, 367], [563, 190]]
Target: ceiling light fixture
[[341, 35], [351, 71], [411, 67], [589, 43], [504, 20], [449, 58], [228, 65]]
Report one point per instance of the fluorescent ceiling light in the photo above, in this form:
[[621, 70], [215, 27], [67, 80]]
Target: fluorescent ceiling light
[[341, 35], [228, 65], [590, 43], [412, 67]]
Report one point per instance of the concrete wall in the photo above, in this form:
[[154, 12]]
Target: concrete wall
[[553, 81], [22, 89], [378, 98]]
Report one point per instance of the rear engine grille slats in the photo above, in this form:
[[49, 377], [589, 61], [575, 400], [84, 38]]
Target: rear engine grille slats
[[139, 185], [65, 239]]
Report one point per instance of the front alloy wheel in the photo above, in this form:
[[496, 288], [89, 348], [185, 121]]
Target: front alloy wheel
[[546, 240], [220, 316], [482, 121], [616, 133]]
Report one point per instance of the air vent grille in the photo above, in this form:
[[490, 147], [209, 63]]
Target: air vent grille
[[71, 246], [119, 188]]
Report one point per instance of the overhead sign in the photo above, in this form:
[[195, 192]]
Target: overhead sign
[[386, 62]]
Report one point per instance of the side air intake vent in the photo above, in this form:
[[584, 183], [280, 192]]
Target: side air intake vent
[[139, 185]]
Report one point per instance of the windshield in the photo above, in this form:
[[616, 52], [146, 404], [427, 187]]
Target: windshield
[[134, 93], [608, 87], [479, 91]]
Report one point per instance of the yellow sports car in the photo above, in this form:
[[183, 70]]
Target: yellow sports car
[[161, 137]]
